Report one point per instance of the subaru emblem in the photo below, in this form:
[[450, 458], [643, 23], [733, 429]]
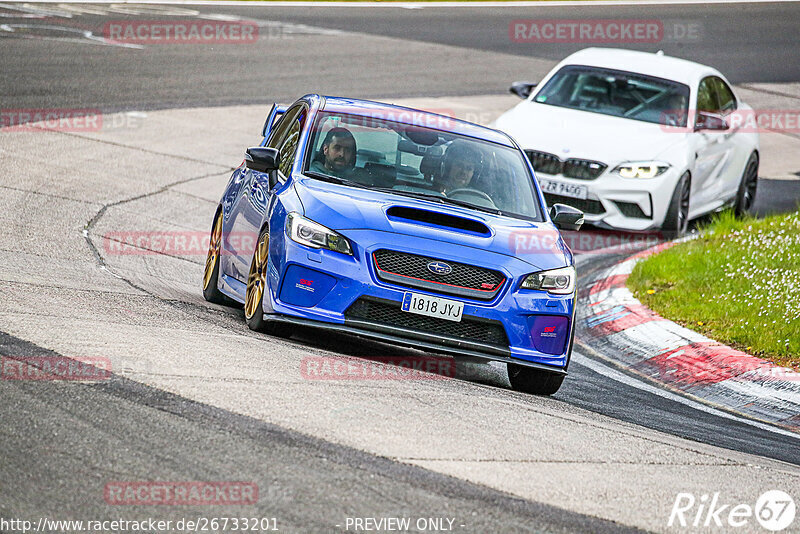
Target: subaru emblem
[[439, 267]]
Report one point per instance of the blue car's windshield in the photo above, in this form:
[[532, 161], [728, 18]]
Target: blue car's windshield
[[423, 162], [617, 93]]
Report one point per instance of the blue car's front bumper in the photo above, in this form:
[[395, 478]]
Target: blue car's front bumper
[[336, 291]]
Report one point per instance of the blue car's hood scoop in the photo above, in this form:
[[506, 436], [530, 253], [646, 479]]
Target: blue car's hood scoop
[[438, 219], [343, 208]]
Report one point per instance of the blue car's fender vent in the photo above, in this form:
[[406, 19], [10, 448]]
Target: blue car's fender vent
[[437, 275], [439, 220], [380, 315]]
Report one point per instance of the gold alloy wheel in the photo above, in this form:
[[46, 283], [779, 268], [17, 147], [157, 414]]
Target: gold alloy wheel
[[258, 276], [213, 251]]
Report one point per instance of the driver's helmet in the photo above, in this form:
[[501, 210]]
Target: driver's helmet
[[461, 150]]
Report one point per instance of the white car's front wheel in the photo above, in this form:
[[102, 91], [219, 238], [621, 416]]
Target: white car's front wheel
[[677, 220]]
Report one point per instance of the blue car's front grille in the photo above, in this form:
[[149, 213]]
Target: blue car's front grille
[[378, 312], [446, 277]]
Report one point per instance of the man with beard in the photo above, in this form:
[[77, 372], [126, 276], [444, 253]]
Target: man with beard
[[337, 156]]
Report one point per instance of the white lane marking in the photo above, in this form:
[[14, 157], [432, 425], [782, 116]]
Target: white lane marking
[[628, 380], [33, 31], [416, 5], [125, 9], [83, 10], [38, 11]]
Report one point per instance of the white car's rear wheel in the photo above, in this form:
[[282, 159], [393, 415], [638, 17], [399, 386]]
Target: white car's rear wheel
[[746, 195]]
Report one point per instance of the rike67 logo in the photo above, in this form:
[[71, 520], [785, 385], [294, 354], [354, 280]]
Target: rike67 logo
[[774, 510]]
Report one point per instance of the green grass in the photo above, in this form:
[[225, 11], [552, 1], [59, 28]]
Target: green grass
[[738, 284]]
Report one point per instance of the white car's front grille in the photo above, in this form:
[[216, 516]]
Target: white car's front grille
[[579, 169], [589, 206]]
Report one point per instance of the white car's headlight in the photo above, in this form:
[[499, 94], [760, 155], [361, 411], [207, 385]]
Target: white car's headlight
[[312, 234], [557, 281], [642, 169]]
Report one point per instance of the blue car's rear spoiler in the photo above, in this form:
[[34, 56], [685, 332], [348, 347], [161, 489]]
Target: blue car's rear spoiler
[[272, 117]]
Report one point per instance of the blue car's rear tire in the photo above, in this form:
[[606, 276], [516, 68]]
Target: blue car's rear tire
[[257, 287], [534, 381]]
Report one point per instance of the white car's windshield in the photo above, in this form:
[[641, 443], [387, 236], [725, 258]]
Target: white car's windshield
[[422, 162], [617, 93]]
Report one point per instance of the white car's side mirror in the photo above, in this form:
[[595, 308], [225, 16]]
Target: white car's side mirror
[[710, 121]]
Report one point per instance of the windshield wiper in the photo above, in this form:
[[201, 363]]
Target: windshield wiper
[[412, 194], [494, 211], [439, 199], [335, 179], [424, 196]]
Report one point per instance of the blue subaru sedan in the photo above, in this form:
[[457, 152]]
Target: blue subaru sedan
[[398, 225]]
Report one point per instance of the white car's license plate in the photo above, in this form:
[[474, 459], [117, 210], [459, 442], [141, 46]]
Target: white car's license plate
[[567, 190], [432, 306]]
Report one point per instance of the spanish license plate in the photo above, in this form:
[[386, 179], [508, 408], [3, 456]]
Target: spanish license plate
[[432, 306], [567, 190]]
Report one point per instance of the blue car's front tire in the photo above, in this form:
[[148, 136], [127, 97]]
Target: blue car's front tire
[[534, 381], [257, 287]]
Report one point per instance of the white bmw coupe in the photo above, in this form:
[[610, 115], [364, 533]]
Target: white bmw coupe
[[637, 141]]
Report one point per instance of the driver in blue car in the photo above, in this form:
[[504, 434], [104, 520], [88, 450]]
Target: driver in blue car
[[461, 165], [337, 155]]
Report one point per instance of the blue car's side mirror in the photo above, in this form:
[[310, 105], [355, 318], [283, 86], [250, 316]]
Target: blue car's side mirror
[[262, 159], [566, 217]]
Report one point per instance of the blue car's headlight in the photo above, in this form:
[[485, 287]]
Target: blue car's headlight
[[312, 234], [556, 281]]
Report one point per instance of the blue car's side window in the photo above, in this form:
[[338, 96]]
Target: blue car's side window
[[286, 136]]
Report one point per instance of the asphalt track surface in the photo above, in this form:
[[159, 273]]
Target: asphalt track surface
[[748, 42], [81, 434], [121, 428]]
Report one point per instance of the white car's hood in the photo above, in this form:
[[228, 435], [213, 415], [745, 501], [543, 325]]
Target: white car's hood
[[569, 133]]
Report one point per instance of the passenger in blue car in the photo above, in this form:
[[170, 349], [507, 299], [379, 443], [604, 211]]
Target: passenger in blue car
[[337, 155], [460, 166]]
